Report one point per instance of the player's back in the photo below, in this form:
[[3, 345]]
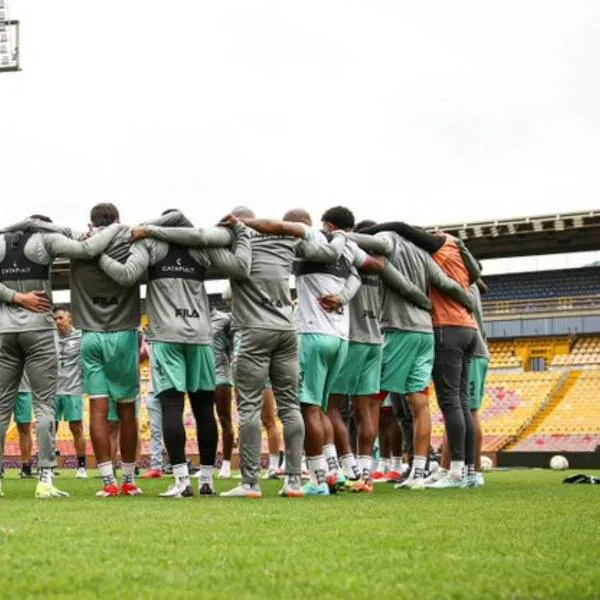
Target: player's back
[[177, 302], [264, 300], [98, 303]]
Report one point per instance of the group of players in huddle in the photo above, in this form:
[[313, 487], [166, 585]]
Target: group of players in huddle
[[382, 310]]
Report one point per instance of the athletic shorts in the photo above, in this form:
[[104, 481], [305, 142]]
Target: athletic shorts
[[407, 361], [69, 408], [183, 367], [361, 371], [321, 359], [111, 364], [479, 370], [237, 341], [113, 413], [24, 408]]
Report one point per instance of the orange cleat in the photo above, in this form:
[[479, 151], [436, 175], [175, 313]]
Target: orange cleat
[[131, 489], [393, 476], [109, 491], [153, 474]]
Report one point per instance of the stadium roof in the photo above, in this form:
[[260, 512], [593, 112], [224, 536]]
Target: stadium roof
[[528, 236]]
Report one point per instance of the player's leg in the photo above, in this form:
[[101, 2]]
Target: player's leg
[[123, 383], [269, 421], [156, 437], [11, 371], [385, 416], [71, 410], [250, 375], [479, 368], [223, 400], [95, 385], [169, 381], [23, 419], [114, 432], [340, 446], [315, 356], [200, 378], [41, 358], [284, 374], [448, 376]]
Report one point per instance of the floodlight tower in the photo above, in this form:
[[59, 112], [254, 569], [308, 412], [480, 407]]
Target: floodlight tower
[[9, 40]]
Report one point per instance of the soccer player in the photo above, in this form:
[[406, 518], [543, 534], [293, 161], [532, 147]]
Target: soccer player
[[223, 345], [408, 354], [69, 387], [263, 319], [28, 338], [183, 359], [360, 377]]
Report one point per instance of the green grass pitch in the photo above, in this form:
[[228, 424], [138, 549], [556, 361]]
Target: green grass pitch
[[525, 535]]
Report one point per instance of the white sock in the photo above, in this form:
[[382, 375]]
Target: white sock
[[383, 466], [331, 457], [396, 464], [206, 474], [304, 465], [364, 466], [418, 466], [318, 468], [107, 473], [283, 464], [273, 462], [181, 473], [350, 467], [226, 467], [457, 468], [128, 472]]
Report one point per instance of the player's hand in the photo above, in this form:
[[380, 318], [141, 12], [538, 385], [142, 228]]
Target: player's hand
[[331, 302], [229, 221], [36, 301], [139, 233]]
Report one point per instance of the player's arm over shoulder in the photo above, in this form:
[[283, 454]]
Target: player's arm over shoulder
[[316, 248], [132, 270]]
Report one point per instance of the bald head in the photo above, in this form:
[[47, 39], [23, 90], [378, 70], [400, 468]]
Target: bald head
[[243, 212], [298, 215]]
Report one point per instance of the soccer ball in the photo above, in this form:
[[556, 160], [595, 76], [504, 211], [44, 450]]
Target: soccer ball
[[559, 463], [486, 463]]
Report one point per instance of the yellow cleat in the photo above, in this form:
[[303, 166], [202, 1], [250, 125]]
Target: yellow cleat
[[47, 490]]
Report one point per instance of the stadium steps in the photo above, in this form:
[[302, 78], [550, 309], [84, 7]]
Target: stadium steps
[[563, 387]]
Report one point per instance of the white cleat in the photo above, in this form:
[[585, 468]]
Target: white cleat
[[448, 481], [244, 490], [179, 490], [81, 473], [435, 476]]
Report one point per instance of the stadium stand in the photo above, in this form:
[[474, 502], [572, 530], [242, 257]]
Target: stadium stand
[[584, 354]]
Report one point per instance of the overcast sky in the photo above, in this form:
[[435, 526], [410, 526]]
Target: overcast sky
[[434, 113]]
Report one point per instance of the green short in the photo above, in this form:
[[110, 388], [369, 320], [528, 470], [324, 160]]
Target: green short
[[321, 359], [407, 361], [111, 364], [24, 408], [183, 367], [69, 408], [361, 371], [479, 371], [113, 413]]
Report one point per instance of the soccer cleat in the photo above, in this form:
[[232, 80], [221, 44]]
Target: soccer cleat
[[47, 490], [365, 486], [271, 474], [26, 475], [435, 476], [244, 490], [337, 482], [131, 489], [179, 490], [316, 489], [379, 476], [416, 483], [292, 488], [109, 491], [449, 481], [206, 490], [393, 477], [81, 473], [153, 474], [475, 481], [224, 474]]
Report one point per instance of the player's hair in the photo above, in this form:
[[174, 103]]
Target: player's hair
[[184, 222], [364, 224], [60, 307], [340, 217], [104, 214], [41, 218], [243, 212]]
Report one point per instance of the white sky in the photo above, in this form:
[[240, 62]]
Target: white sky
[[432, 113]]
